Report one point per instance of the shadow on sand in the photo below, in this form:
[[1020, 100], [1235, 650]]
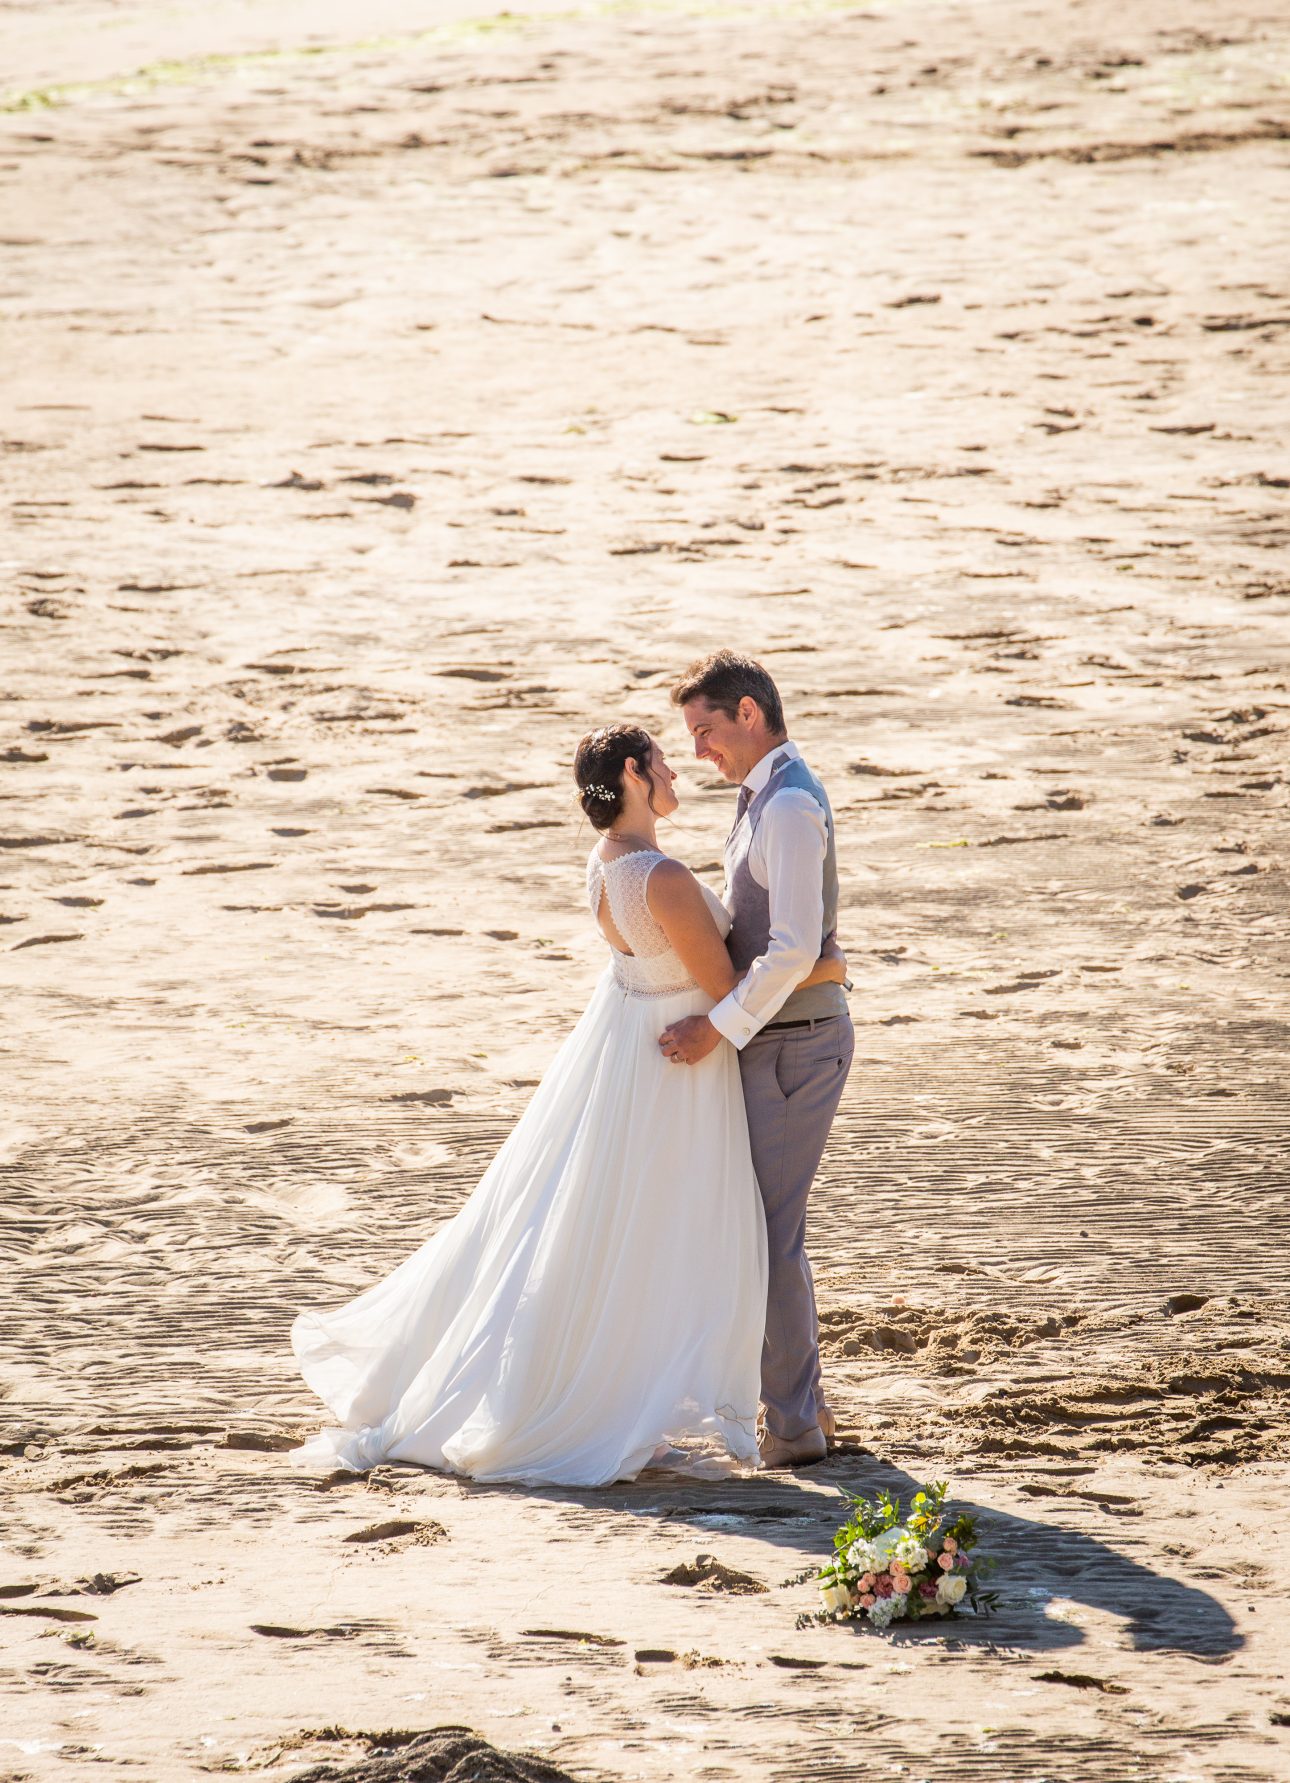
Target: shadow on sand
[[1039, 1561]]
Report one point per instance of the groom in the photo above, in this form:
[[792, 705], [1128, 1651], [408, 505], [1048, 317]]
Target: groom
[[794, 1045]]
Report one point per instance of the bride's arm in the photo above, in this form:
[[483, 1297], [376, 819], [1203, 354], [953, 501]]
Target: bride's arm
[[677, 905], [830, 968]]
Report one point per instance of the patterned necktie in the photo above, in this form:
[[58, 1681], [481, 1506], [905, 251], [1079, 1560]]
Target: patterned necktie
[[745, 799]]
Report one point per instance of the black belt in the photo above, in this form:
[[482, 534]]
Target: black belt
[[809, 1023]]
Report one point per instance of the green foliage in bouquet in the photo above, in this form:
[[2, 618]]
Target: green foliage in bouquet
[[890, 1565]]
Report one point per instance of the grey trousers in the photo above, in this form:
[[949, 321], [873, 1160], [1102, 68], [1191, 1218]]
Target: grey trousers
[[793, 1080]]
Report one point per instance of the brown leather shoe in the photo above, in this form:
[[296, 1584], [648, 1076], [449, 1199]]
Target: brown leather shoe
[[800, 1451], [828, 1424]]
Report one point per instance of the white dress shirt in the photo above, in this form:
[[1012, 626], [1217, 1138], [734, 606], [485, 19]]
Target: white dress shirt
[[787, 857]]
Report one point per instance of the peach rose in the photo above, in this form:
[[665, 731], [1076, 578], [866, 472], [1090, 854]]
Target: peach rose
[[945, 1561]]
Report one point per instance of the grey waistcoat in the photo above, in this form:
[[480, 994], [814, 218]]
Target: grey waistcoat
[[749, 903]]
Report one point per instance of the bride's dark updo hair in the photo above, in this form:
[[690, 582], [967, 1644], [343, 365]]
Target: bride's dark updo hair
[[599, 765]]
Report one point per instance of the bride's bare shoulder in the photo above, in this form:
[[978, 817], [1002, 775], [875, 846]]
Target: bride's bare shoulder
[[671, 886]]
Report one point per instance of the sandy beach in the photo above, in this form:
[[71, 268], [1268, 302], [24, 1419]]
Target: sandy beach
[[390, 394]]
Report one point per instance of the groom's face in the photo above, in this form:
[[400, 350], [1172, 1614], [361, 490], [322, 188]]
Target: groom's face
[[720, 739]]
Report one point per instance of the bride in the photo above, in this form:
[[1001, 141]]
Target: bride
[[598, 1304]]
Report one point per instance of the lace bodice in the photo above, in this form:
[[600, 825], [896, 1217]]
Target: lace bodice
[[652, 968]]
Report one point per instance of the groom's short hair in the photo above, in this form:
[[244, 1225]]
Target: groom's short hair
[[723, 679]]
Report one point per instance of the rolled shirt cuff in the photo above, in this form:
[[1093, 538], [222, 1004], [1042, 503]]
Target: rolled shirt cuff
[[733, 1022]]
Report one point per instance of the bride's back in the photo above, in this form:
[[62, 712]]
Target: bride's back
[[648, 966], [616, 891]]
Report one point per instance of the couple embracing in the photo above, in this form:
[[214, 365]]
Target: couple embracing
[[629, 1278]]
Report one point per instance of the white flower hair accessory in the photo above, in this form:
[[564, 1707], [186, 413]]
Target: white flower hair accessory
[[598, 792]]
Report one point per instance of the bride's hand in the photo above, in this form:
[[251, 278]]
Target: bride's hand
[[834, 961], [830, 968]]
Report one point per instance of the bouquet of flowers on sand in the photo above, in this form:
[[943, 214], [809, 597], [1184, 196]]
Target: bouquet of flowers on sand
[[892, 1567]]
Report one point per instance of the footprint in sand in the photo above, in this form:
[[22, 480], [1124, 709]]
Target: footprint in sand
[[653, 1659], [47, 1612], [468, 674], [653, 1656], [397, 1534], [105, 1584], [1185, 1302], [296, 481], [494, 792], [260, 1442], [399, 498], [229, 867], [706, 1573], [575, 1636], [355, 912], [1081, 1681], [1060, 799]]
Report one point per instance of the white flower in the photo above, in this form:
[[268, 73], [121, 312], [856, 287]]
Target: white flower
[[911, 1553], [950, 1589], [872, 1555], [887, 1609], [836, 1595]]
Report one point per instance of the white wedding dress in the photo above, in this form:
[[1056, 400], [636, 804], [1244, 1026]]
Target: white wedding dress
[[599, 1302]]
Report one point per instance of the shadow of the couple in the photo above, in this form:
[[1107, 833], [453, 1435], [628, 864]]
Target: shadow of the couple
[[1042, 1564]]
